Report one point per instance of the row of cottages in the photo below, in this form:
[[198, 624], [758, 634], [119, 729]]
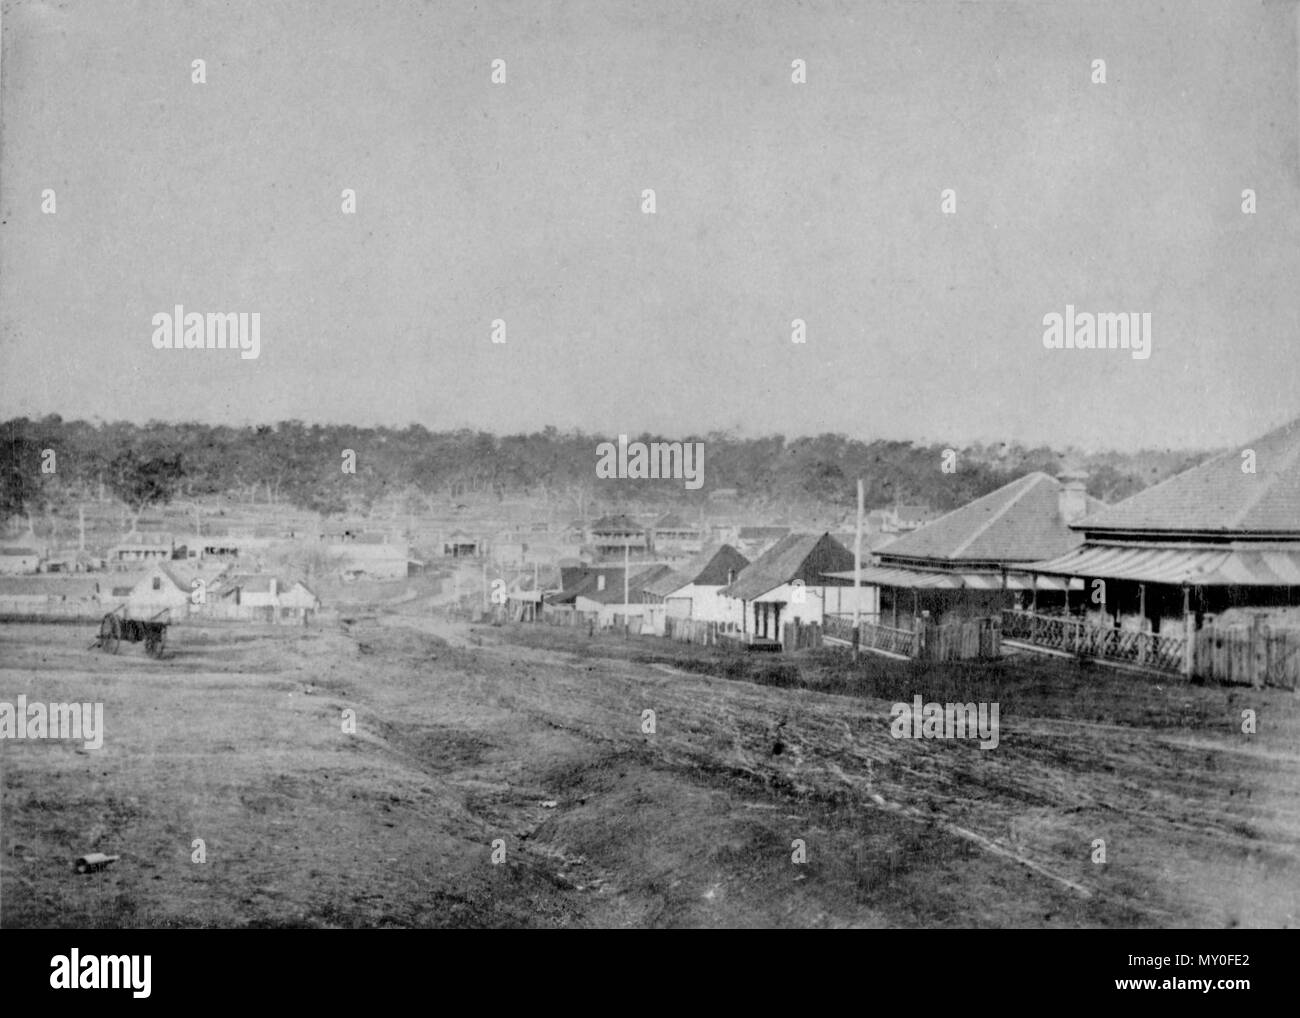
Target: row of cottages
[[800, 578], [1216, 540], [694, 590], [971, 561], [207, 589], [603, 592], [65, 596]]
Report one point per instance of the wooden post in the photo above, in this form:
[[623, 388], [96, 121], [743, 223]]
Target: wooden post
[[1189, 630], [857, 572], [1144, 639], [1033, 593]]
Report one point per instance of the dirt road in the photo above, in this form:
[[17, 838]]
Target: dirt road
[[742, 804]]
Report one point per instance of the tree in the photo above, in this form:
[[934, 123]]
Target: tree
[[142, 482]]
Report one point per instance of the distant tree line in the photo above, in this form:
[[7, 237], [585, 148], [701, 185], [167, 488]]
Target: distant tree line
[[304, 466]]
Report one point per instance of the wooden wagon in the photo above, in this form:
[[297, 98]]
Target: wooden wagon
[[116, 627]]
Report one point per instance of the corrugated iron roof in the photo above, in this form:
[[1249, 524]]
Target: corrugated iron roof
[[921, 579], [1197, 566]]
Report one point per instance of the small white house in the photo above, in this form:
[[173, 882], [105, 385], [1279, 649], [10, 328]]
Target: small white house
[[264, 596], [355, 560], [694, 591], [788, 583], [161, 586], [17, 560]]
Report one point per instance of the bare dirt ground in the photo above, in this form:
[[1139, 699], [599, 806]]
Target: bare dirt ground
[[533, 738]]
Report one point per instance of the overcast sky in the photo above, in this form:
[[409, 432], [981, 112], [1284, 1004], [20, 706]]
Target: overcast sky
[[775, 201]]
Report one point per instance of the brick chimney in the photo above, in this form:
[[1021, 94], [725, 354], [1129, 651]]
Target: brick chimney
[[1073, 496]]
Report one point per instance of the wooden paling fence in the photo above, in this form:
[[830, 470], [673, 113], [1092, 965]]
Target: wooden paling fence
[[567, 617], [1249, 655], [965, 640], [959, 640], [801, 635], [693, 631]]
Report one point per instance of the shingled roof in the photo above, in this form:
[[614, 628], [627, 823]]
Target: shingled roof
[[1020, 522], [1217, 498], [805, 557]]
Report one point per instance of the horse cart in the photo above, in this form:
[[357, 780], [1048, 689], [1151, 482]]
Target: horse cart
[[116, 627]]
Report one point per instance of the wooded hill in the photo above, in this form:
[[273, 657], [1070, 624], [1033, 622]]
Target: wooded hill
[[303, 465]]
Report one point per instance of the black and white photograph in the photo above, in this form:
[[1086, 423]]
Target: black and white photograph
[[614, 464]]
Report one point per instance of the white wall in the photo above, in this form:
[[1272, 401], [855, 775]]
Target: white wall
[[708, 604]]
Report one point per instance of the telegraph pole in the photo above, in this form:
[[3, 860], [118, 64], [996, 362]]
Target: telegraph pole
[[857, 576]]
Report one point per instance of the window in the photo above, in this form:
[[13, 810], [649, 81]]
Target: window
[[157, 583]]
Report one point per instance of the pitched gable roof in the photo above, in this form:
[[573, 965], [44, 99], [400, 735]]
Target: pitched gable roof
[[584, 581], [806, 557], [182, 580], [1217, 497], [253, 583], [1020, 522], [666, 583], [636, 586], [715, 566], [710, 567]]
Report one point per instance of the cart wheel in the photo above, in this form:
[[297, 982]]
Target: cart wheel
[[110, 636]]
